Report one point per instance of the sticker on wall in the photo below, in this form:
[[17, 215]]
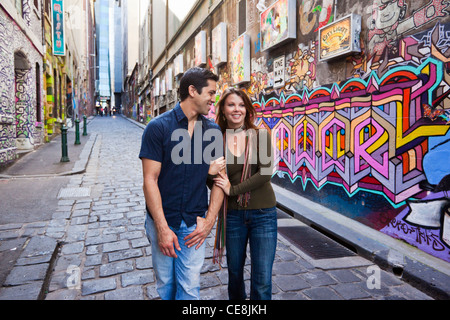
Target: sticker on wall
[[278, 24], [340, 38], [219, 44], [200, 49], [240, 60]]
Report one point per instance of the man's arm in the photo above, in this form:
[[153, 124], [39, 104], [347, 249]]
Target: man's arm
[[166, 237], [205, 225]]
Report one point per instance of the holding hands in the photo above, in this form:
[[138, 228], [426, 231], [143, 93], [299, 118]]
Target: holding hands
[[223, 182], [218, 167]]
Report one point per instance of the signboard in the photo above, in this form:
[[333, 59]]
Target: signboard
[[58, 43], [219, 44], [200, 49], [156, 87], [240, 59], [278, 24], [340, 38], [169, 79], [178, 65], [278, 72]]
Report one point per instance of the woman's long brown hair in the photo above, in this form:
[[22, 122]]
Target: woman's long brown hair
[[250, 115]]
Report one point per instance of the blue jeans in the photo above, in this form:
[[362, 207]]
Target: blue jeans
[[259, 227], [176, 278]]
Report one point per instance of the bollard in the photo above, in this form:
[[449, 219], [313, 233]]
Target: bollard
[[84, 125], [77, 131], [64, 157]]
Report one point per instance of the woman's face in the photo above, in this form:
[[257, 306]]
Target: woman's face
[[234, 111]]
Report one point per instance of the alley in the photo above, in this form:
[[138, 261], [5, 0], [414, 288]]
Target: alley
[[102, 251]]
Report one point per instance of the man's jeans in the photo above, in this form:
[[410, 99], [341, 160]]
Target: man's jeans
[[259, 227], [176, 278]]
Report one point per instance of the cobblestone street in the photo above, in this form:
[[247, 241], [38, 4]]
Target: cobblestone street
[[104, 252]]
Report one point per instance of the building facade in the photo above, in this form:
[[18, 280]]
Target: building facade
[[354, 93], [47, 57], [21, 85], [102, 8]]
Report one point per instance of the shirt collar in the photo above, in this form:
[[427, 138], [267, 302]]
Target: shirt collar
[[180, 115]]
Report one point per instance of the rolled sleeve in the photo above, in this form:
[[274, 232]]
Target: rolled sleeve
[[152, 142]]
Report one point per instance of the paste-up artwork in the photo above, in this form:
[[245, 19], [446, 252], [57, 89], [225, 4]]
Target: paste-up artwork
[[219, 44], [240, 60], [278, 24], [200, 49]]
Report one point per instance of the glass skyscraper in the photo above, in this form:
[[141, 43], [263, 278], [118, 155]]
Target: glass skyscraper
[[102, 31]]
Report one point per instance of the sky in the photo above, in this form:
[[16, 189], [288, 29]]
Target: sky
[[181, 7]]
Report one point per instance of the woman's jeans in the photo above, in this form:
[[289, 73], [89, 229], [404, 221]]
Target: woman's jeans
[[259, 227], [176, 278]]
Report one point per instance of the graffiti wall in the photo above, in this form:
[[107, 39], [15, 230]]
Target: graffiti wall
[[367, 135], [18, 60]]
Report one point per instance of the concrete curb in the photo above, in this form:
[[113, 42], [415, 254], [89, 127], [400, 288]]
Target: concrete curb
[[140, 125], [79, 167], [29, 279], [423, 271]]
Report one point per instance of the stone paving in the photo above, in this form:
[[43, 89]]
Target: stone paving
[[101, 250]]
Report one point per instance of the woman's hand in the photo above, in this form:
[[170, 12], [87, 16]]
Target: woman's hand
[[223, 182], [216, 166]]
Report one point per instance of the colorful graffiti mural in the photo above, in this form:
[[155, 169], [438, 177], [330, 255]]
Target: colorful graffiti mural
[[388, 21], [385, 135], [373, 145]]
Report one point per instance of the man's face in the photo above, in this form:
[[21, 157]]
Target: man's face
[[205, 100]]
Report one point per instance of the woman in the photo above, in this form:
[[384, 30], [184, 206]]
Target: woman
[[251, 214]]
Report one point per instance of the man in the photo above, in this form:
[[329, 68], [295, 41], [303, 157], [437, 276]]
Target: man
[[175, 193]]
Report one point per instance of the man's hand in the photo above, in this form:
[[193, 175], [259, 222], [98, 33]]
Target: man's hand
[[204, 227], [167, 241]]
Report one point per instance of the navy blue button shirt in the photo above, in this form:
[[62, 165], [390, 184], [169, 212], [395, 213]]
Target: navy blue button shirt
[[182, 185]]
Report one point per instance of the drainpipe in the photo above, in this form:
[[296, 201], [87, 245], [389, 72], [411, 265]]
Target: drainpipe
[[335, 7]]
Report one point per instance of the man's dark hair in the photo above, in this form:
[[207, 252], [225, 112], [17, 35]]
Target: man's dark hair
[[197, 77]]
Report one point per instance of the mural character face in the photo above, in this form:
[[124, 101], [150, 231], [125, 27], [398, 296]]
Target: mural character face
[[387, 12]]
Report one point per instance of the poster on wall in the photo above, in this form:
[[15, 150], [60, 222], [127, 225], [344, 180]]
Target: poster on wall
[[178, 65], [340, 38], [219, 44], [58, 45], [240, 59], [156, 87], [200, 49], [278, 24], [169, 79]]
